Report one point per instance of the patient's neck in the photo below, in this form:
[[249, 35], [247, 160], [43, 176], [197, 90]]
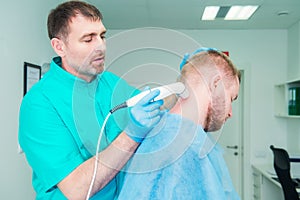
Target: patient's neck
[[193, 108], [189, 112]]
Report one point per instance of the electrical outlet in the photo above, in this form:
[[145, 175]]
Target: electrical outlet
[[260, 154]]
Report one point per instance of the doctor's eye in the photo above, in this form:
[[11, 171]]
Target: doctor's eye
[[103, 36], [88, 39]]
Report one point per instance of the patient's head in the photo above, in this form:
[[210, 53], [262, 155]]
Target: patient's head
[[213, 83]]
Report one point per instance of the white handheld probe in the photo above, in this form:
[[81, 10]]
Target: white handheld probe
[[165, 91]]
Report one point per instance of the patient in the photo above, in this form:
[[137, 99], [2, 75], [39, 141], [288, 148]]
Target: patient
[[179, 159]]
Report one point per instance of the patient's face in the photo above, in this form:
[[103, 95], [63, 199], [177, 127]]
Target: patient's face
[[220, 108]]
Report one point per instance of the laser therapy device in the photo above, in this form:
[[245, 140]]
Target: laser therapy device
[[165, 91], [178, 89]]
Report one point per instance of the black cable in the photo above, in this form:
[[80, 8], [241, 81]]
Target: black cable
[[117, 107]]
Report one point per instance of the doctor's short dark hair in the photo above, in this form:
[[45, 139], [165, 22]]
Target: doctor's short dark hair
[[59, 18]]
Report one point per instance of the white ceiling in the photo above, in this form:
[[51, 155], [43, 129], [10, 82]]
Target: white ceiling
[[186, 14]]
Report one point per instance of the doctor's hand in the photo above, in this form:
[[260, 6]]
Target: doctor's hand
[[144, 116]]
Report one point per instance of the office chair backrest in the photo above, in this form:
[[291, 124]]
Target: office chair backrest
[[282, 167]]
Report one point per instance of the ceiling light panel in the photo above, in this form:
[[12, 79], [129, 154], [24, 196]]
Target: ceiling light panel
[[210, 12], [240, 12]]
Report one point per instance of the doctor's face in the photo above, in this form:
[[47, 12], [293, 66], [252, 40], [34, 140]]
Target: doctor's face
[[84, 48], [220, 108]]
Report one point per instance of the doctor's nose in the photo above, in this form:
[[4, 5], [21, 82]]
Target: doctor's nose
[[100, 44]]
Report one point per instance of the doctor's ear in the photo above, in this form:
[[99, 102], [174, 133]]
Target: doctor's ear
[[58, 46]]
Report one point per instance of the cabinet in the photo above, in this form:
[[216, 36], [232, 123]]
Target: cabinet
[[282, 95], [264, 187], [257, 181]]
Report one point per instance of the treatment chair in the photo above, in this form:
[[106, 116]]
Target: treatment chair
[[282, 168]]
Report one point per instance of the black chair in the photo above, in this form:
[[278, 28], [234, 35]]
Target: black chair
[[282, 168]]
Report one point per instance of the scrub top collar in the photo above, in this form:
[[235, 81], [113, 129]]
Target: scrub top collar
[[56, 68]]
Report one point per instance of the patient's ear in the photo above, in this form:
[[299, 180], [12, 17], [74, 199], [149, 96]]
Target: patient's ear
[[58, 46], [216, 80]]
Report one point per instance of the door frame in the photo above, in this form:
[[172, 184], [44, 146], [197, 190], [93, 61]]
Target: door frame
[[246, 136]]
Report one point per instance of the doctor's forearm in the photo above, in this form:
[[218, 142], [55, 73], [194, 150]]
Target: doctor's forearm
[[110, 162]]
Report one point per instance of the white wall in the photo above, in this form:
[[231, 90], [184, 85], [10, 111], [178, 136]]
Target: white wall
[[262, 54], [23, 37], [293, 73], [293, 67]]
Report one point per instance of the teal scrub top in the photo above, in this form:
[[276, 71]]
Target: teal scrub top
[[60, 121]]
